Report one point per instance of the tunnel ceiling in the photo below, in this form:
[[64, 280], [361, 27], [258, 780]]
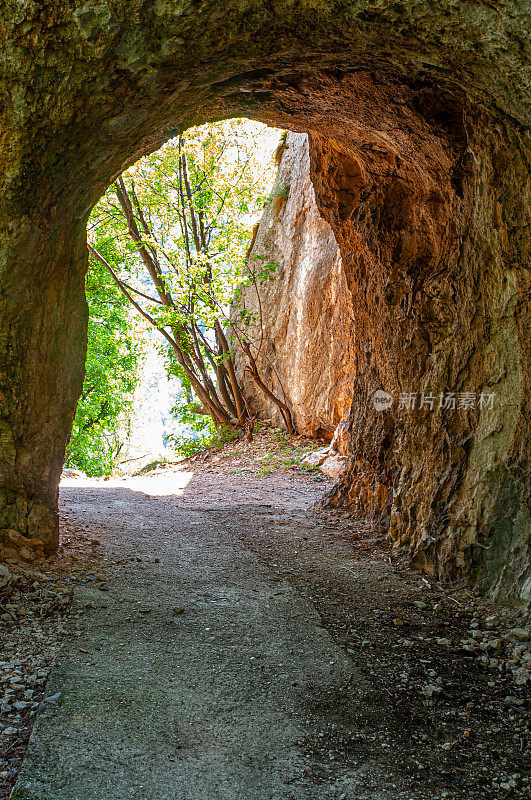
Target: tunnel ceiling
[[112, 80]]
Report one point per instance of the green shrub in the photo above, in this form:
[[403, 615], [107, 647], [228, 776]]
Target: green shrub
[[214, 438]]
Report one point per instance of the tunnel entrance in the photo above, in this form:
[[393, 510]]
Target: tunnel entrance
[[418, 164], [168, 261], [417, 119]]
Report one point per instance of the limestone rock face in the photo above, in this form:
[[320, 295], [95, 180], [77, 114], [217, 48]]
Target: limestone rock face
[[307, 337]]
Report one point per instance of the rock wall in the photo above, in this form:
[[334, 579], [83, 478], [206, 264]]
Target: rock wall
[[306, 340], [435, 252], [434, 246]]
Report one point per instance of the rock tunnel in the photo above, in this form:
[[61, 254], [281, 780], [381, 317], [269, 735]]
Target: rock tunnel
[[417, 119]]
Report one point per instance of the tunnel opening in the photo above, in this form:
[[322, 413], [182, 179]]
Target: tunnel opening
[[389, 166], [417, 119], [168, 247], [421, 174]]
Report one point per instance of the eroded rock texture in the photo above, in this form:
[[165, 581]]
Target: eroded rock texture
[[439, 286], [437, 266], [417, 119], [306, 339]]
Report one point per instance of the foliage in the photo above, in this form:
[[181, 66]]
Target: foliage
[[278, 198], [214, 438], [227, 186], [179, 223], [110, 376]]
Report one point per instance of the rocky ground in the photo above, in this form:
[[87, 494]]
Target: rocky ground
[[440, 697], [35, 609]]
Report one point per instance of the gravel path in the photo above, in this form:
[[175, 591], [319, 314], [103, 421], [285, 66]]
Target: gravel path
[[204, 662]]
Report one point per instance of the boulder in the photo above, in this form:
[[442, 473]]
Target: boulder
[[316, 458], [334, 466]]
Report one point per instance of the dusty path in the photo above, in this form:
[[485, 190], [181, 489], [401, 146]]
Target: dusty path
[[237, 649]]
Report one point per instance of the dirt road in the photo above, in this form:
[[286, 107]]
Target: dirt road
[[238, 645]]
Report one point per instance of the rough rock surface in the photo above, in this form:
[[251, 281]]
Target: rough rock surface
[[444, 463], [334, 466], [307, 329], [439, 280], [417, 115], [329, 461]]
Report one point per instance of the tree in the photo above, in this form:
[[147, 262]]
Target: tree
[[180, 220], [111, 376]]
